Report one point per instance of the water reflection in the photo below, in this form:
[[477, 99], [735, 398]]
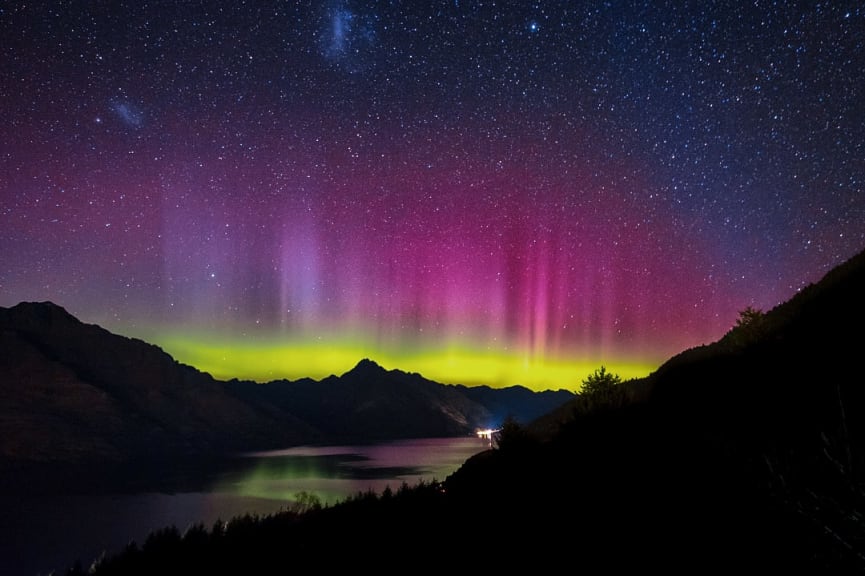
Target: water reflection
[[335, 473], [48, 532]]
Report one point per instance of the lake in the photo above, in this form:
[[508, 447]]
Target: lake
[[45, 533]]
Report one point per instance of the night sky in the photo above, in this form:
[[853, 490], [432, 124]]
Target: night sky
[[483, 192]]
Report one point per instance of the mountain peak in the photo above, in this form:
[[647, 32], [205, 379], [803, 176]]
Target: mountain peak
[[44, 306], [366, 365], [39, 314]]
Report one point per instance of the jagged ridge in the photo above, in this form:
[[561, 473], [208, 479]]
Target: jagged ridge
[[76, 393]]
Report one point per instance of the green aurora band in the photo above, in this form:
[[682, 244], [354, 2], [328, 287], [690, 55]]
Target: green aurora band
[[266, 359]]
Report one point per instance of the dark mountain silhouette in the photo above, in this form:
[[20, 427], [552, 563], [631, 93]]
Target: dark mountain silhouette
[[746, 455], [748, 452], [75, 393], [403, 404], [369, 403]]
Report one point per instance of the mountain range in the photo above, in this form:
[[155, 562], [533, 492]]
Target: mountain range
[[743, 455], [75, 393], [746, 455]]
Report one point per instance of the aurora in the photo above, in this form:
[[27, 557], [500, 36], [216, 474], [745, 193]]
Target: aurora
[[318, 358], [484, 194]]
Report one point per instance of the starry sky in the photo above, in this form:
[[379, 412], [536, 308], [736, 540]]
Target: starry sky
[[486, 192]]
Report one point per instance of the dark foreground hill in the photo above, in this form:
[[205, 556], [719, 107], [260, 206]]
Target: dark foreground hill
[[744, 456], [75, 394]]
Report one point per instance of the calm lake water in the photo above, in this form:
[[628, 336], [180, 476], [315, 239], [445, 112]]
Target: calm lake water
[[50, 533]]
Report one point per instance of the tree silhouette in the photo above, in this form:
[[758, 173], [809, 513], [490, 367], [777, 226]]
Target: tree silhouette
[[750, 325], [305, 501], [750, 318], [600, 382], [512, 436]]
